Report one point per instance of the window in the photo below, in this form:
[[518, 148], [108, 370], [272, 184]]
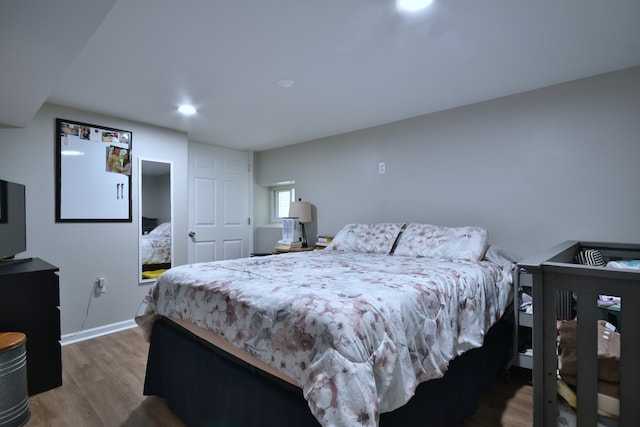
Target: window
[[281, 196]]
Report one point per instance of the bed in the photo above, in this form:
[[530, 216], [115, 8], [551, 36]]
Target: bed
[[339, 337], [554, 272], [155, 248]]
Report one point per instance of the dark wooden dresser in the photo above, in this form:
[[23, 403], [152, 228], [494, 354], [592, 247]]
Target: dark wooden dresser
[[29, 303]]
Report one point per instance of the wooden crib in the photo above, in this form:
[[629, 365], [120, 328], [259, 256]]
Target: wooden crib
[[555, 270]]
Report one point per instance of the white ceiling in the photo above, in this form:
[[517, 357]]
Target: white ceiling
[[355, 63]]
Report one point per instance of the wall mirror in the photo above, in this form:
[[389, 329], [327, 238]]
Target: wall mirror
[[155, 235]]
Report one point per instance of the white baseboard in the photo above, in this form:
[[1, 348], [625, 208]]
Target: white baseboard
[[97, 332]]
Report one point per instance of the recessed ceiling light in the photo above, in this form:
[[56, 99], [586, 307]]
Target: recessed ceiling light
[[286, 83], [187, 110], [412, 5]]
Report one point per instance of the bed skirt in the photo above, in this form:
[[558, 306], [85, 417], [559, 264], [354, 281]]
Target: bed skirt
[[205, 386]]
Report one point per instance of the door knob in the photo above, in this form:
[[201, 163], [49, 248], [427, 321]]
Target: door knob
[[192, 235]]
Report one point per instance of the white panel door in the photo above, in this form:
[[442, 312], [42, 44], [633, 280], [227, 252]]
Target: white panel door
[[219, 226]]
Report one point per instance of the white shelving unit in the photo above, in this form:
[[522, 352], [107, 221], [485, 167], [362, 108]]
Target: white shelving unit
[[525, 282]]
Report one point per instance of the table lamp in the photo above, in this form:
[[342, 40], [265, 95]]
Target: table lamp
[[302, 211]]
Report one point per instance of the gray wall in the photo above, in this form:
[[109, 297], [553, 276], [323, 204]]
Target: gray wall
[[85, 251], [535, 168], [156, 197]]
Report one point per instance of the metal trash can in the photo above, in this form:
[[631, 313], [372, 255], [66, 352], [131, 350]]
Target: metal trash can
[[14, 394]]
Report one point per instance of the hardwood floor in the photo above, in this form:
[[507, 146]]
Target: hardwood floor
[[102, 382], [103, 379], [507, 403]]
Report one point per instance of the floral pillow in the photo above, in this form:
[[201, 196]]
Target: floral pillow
[[433, 241], [163, 230], [367, 238]]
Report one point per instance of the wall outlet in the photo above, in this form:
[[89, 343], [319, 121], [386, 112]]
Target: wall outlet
[[101, 283], [382, 168]]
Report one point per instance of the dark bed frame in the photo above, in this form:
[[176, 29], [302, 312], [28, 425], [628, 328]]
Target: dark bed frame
[[153, 267], [206, 386]]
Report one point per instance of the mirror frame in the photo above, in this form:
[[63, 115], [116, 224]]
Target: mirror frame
[[141, 160]]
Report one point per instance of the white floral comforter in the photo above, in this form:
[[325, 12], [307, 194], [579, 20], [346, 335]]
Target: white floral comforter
[[155, 247], [358, 332]]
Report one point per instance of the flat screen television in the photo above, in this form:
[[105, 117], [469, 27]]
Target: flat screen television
[[13, 223]]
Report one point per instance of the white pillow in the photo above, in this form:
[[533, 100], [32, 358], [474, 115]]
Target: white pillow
[[433, 241], [163, 230], [367, 238]]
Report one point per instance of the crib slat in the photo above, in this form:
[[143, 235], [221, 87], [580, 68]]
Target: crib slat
[[630, 368], [587, 346], [545, 363]]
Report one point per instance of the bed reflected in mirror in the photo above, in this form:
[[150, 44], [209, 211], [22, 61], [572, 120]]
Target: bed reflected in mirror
[[155, 233]]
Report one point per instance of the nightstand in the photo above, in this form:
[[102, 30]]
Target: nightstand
[[284, 251]]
